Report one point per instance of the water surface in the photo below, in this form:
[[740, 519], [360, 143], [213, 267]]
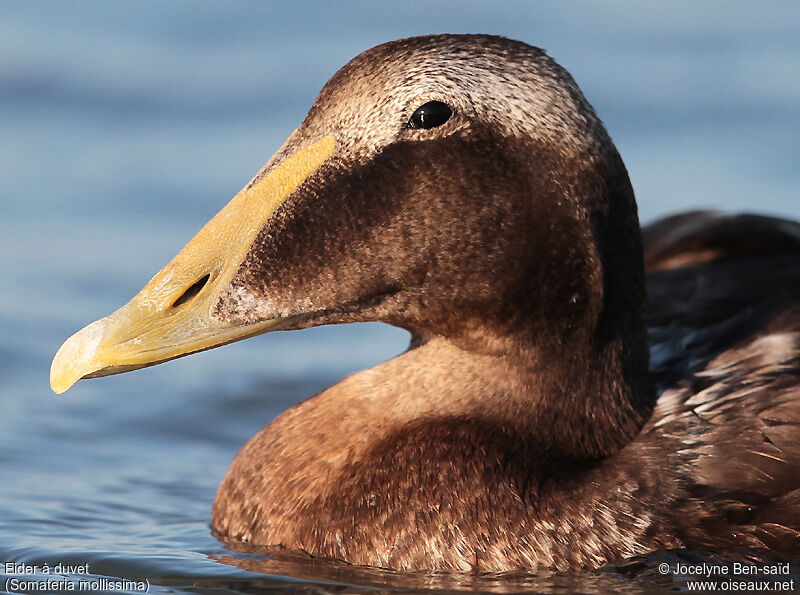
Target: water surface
[[125, 126]]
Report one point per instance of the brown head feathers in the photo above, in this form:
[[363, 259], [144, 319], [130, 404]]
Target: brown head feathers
[[518, 432], [522, 428]]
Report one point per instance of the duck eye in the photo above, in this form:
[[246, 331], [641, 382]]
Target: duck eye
[[430, 115]]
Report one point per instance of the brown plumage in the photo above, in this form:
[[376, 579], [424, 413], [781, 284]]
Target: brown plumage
[[521, 430], [557, 408]]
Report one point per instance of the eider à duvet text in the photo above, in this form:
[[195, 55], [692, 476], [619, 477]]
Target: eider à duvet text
[[559, 407]]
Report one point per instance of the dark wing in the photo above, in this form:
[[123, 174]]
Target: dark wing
[[707, 290], [724, 322], [698, 237]]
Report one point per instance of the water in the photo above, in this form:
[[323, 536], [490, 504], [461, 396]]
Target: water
[[125, 126]]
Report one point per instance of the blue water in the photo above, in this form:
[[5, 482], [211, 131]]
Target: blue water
[[125, 126]]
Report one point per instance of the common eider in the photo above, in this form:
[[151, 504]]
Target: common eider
[[461, 187]]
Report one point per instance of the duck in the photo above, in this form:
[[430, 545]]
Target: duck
[[577, 390]]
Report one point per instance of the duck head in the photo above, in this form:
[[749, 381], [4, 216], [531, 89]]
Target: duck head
[[454, 185]]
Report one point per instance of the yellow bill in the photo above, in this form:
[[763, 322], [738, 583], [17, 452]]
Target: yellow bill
[[171, 316]]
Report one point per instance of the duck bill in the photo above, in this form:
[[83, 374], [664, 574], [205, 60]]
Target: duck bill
[[172, 315]]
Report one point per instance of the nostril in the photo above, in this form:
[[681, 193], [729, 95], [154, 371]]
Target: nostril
[[192, 291]]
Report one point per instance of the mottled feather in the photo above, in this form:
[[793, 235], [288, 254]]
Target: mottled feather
[[522, 429]]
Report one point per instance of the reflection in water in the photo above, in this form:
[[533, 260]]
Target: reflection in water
[[643, 573], [340, 575]]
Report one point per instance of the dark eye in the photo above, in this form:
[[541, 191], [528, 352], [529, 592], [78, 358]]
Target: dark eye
[[430, 115]]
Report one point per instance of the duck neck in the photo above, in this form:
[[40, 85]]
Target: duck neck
[[570, 403]]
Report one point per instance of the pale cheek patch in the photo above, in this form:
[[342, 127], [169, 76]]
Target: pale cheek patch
[[242, 307]]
